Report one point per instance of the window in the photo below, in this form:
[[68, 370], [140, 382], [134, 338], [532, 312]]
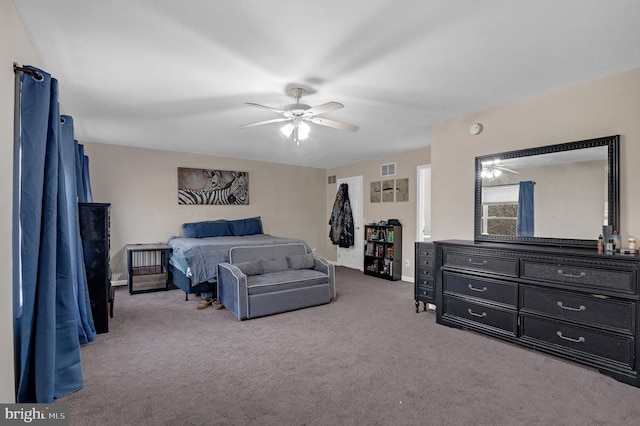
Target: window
[[500, 209]]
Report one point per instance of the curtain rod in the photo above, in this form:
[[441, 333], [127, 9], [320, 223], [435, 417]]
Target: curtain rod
[[29, 71]]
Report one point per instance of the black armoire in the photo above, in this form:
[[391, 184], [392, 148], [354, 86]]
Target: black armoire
[[94, 231]]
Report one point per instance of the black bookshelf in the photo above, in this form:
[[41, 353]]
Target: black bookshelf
[[383, 251]]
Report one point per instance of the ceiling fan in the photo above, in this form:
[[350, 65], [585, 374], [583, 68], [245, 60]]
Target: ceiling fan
[[493, 169], [298, 114]]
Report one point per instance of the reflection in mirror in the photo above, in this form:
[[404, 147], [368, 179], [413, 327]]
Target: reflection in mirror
[[560, 194]]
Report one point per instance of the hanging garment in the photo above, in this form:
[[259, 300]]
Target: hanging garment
[[341, 220]]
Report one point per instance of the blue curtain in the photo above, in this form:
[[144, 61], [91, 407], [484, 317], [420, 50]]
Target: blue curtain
[[54, 315], [524, 222]]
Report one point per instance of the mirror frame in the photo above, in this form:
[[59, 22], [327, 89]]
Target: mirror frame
[[613, 185]]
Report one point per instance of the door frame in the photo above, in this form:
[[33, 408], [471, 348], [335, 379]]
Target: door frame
[[422, 203]]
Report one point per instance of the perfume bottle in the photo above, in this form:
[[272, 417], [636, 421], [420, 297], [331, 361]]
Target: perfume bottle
[[609, 246], [600, 244], [617, 242]]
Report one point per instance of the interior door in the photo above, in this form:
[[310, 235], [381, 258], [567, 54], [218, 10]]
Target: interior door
[[353, 257]]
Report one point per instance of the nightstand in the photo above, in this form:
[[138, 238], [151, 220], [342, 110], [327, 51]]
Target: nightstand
[[147, 265]]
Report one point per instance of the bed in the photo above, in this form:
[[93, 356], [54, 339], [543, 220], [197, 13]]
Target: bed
[[194, 258]]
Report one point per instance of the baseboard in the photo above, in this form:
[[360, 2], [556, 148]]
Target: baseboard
[[119, 282]]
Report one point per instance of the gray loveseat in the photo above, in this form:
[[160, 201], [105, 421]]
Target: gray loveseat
[[265, 280]]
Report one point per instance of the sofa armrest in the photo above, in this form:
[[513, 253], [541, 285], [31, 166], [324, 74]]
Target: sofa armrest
[[232, 290], [323, 265]]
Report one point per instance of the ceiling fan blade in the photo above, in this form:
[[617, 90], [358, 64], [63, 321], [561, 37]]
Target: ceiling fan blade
[[506, 170], [260, 123], [329, 106], [266, 107], [334, 124]]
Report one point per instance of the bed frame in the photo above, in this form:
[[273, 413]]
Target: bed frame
[[183, 282]]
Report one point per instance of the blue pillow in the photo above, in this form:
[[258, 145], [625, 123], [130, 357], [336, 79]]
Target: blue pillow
[[215, 228], [249, 226]]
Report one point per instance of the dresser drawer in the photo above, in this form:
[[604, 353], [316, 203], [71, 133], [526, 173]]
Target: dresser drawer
[[584, 340], [481, 262], [498, 319], [425, 293], [425, 280], [425, 250], [482, 288], [607, 313], [425, 262], [425, 272], [615, 280]]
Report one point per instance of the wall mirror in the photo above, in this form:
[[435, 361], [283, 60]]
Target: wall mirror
[[553, 195]]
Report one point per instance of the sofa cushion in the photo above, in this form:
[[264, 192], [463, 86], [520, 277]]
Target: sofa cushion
[[213, 228], [285, 280], [301, 261], [251, 268], [276, 265], [248, 226]]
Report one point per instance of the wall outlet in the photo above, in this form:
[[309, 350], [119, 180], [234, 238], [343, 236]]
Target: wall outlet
[[407, 262]]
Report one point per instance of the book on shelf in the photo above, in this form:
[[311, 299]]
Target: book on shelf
[[388, 267], [389, 253], [368, 251], [390, 236]]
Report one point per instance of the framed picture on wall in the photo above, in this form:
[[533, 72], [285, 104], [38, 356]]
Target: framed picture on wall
[[212, 187], [375, 192], [402, 189], [387, 191]]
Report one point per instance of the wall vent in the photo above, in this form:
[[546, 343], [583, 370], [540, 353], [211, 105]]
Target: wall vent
[[331, 179], [388, 169]]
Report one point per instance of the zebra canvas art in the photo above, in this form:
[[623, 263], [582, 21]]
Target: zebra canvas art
[[212, 187]]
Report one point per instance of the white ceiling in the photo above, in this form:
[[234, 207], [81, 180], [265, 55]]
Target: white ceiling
[[175, 75]]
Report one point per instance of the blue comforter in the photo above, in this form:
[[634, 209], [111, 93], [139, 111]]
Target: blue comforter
[[199, 257]]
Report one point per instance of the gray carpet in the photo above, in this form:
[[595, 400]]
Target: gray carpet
[[365, 359]]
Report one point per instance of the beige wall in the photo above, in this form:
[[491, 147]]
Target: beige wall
[[603, 107], [406, 167], [142, 185], [14, 47]]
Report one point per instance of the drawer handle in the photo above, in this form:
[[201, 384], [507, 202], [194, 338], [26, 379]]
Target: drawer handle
[[483, 263], [578, 340], [580, 275], [570, 308], [482, 315], [477, 289]]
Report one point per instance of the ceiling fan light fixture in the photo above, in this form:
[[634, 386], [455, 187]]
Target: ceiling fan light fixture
[[296, 115], [287, 129], [303, 130]]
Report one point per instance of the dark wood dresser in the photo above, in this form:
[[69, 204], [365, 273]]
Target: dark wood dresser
[[94, 231], [570, 302], [424, 281]]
